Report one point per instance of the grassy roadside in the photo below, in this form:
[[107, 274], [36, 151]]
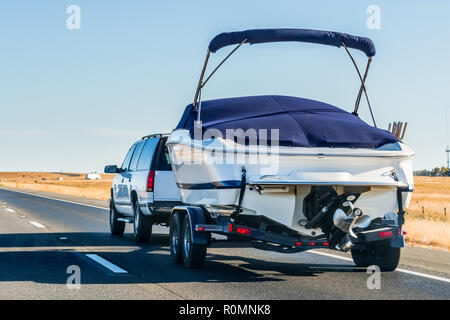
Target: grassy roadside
[[73, 184], [426, 223]]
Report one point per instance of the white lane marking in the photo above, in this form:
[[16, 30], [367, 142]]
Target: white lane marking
[[73, 202], [419, 274], [10, 210], [330, 255], [37, 224], [106, 263]]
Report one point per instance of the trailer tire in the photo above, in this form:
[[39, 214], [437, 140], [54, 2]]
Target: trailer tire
[[143, 224], [194, 254], [116, 227], [381, 255], [175, 238]]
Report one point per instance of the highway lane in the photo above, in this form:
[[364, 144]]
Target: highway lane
[[34, 258]]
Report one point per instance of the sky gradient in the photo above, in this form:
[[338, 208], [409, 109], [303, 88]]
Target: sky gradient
[[75, 100]]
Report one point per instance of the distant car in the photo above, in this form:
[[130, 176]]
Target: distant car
[[93, 176], [143, 190]]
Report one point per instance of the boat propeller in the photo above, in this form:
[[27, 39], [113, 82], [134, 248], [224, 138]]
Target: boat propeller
[[346, 223]]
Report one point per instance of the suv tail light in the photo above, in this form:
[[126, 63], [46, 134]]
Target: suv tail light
[[150, 181]]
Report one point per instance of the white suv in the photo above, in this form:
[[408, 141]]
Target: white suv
[[144, 190]]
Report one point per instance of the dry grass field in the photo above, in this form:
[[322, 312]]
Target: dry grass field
[[429, 228], [71, 184]]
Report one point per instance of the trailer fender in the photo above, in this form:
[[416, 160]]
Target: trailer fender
[[398, 242], [196, 216]]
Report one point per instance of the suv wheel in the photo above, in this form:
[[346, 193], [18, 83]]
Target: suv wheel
[[116, 227], [142, 224]]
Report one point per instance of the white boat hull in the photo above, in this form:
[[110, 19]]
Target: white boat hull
[[205, 177]]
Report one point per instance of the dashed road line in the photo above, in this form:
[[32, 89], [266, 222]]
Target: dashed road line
[[10, 210], [37, 224], [112, 267]]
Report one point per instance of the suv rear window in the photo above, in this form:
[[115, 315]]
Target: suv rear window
[[147, 154], [162, 162]]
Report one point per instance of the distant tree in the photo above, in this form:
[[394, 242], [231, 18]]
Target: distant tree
[[436, 172]]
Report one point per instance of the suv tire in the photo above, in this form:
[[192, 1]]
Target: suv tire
[[142, 224], [116, 227]]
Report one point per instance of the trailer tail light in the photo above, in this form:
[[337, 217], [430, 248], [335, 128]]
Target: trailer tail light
[[150, 181], [243, 231], [230, 228], [326, 244], [298, 243], [385, 234], [201, 229], [312, 243]]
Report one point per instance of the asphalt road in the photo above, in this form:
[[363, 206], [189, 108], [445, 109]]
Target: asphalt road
[[40, 238]]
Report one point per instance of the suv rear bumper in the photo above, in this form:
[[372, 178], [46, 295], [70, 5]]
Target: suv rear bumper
[[162, 207]]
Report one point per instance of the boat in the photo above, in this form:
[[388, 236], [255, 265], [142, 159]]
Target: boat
[[304, 165]]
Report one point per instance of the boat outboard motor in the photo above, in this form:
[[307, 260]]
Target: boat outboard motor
[[356, 218], [346, 223], [335, 214], [318, 205], [325, 209]]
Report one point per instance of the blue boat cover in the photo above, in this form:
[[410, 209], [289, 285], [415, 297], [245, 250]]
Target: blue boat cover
[[301, 35], [301, 122]]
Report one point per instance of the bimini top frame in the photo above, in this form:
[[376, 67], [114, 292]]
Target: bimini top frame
[[336, 39]]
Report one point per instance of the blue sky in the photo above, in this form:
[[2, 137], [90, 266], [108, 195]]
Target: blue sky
[[75, 100]]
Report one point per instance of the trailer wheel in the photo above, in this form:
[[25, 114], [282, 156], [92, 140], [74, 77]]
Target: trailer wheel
[[194, 254], [175, 238], [382, 255], [142, 224]]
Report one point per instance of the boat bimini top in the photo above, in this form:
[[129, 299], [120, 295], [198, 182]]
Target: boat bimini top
[[330, 38], [302, 122]]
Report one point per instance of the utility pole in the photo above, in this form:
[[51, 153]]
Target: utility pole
[[448, 159]]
